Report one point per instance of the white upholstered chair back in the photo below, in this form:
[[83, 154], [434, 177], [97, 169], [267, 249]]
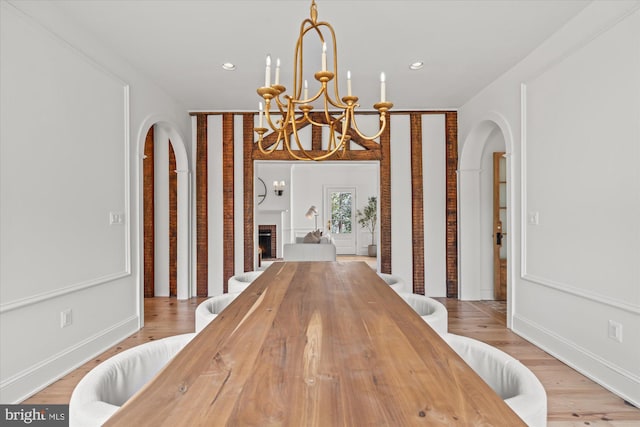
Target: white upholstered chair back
[[209, 309], [240, 282], [396, 283], [433, 312], [514, 382], [109, 385]]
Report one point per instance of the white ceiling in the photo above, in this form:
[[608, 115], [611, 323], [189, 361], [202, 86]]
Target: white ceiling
[[181, 44]]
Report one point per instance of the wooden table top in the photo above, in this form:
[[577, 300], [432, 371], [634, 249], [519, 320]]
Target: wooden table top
[[316, 344]]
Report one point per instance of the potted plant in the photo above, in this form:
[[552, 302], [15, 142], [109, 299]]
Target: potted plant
[[367, 218]]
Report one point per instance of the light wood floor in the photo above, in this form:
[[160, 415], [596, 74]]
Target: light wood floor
[[573, 399]]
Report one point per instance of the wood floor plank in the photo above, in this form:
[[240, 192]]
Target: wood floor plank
[[573, 399]]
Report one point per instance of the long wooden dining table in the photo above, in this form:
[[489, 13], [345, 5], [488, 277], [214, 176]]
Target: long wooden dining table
[[316, 344]]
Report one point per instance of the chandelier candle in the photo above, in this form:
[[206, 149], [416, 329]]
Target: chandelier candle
[[348, 83], [267, 72], [324, 57]]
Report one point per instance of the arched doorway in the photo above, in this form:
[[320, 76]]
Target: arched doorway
[[476, 259], [164, 129]]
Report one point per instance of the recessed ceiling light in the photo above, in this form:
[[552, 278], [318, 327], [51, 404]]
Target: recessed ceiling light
[[416, 65], [228, 66]]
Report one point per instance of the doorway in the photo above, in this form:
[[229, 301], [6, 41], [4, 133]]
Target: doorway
[[160, 139], [340, 205], [477, 232], [499, 223]]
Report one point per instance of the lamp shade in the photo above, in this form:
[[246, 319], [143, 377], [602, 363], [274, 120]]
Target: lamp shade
[[311, 212]]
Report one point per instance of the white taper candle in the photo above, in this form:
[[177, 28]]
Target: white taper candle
[[324, 56], [267, 72]]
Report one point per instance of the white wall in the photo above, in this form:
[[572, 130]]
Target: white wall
[[401, 233], [215, 204], [71, 113], [576, 122], [161, 212], [434, 181]]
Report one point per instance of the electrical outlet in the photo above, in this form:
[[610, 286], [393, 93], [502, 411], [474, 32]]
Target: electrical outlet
[[615, 331], [65, 318], [116, 218]]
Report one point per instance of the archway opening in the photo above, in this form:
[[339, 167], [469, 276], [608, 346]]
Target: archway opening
[[477, 233], [165, 234]]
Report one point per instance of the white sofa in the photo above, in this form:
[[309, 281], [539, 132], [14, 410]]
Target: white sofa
[[309, 252]]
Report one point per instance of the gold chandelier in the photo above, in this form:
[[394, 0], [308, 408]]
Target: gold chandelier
[[293, 111]]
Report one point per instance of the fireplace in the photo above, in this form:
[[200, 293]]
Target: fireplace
[[268, 241]]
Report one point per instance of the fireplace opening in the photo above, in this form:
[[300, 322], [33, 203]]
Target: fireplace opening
[[264, 240], [267, 241]]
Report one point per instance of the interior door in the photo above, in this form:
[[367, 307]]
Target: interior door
[[340, 203], [499, 224]]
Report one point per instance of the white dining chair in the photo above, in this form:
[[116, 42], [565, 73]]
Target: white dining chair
[[514, 382], [433, 312], [105, 388], [210, 308], [396, 283], [240, 282]]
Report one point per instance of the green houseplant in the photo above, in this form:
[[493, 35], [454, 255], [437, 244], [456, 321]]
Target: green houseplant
[[368, 218]]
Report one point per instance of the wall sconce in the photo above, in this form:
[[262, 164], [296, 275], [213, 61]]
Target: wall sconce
[[278, 187]]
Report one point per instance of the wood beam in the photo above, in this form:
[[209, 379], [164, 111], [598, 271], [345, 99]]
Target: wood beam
[[148, 184], [173, 223], [202, 213], [247, 150], [417, 203], [451, 119], [228, 241], [385, 199]]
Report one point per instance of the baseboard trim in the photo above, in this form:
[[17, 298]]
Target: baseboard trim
[[30, 381], [617, 380]]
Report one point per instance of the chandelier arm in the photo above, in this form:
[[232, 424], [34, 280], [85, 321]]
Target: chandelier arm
[[279, 103], [300, 147], [338, 104], [327, 154], [273, 126], [332, 138], [383, 124], [297, 63], [335, 60], [273, 147]]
